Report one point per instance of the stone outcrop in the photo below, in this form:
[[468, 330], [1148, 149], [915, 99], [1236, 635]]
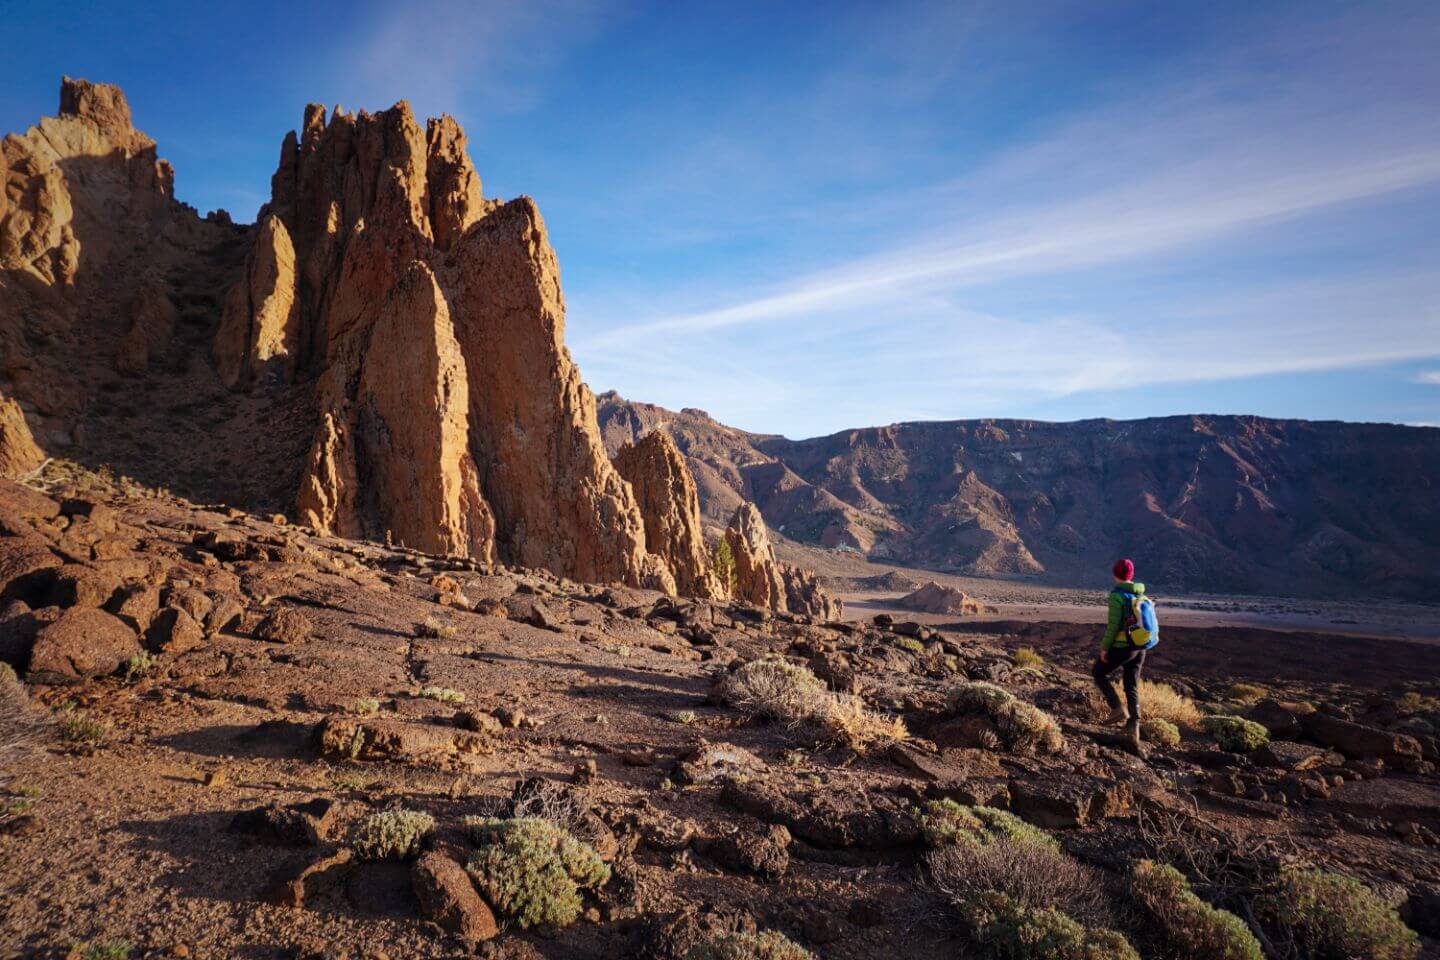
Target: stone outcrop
[[670, 505], [934, 598], [803, 593], [90, 148], [767, 582], [259, 330], [19, 453], [451, 417], [757, 573]]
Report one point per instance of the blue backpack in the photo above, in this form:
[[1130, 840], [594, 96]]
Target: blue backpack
[[1141, 627]]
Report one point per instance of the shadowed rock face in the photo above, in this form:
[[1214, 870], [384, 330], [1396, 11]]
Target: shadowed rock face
[[18, 452]]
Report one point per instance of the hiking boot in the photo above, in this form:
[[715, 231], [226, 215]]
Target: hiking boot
[[1117, 716], [1132, 734]]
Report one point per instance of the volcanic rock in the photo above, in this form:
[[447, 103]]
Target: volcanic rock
[[934, 598], [83, 643], [757, 574], [19, 454], [670, 506]]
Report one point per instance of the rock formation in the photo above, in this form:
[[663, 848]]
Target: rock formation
[[18, 451], [767, 582], [670, 505], [450, 414], [391, 340], [934, 598], [92, 149]]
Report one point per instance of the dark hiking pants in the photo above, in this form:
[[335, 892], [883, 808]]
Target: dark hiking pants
[[1131, 661]]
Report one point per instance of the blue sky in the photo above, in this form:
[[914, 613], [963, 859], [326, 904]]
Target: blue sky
[[806, 217]]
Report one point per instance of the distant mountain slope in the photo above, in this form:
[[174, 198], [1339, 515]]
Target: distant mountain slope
[[1222, 503]]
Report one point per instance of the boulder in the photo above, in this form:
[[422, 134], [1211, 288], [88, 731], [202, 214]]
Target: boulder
[[84, 642], [765, 854], [22, 567], [302, 883], [136, 605], [375, 738], [289, 825], [173, 632], [285, 625], [447, 897], [1062, 801], [1360, 742]]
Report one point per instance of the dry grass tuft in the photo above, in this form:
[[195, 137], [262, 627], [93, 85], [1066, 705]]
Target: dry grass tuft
[[776, 689], [1163, 702]]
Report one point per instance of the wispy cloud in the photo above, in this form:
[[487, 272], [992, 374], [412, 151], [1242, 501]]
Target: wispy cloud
[[1428, 377], [1221, 224], [452, 56]]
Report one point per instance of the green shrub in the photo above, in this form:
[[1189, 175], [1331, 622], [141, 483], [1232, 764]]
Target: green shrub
[[1334, 917], [945, 821], [443, 695], [1163, 732], [365, 706], [1195, 929], [107, 950], [722, 561], [765, 945], [1024, 933], [1236, 734], [1245, 692], [533, 870], [1028, 657], [911, 644], [81, 729], [1021, 727], [392, 835], [139, 665]]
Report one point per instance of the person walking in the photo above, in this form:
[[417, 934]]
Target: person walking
[[1130, 631]]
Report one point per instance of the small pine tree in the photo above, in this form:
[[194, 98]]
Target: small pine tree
[[723, 563]]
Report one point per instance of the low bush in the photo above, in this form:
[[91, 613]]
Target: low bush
[[1330, 916], [845, 720], [1163, 702], [434, 628], [910, 643], [1236, 734], [533, 870], [392, 834], [1020, 726], [1028, 657], [1016, 932], [944, 821], [443, 694], [106, 950], [139, 665], [1029, 875], [775, 689], [81, 729], [765, 945], [1193, 927], [365, 706], [1245, 692], [1160, 731]]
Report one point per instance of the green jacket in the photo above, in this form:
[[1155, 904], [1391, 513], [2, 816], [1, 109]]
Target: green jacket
[[1114, 629]]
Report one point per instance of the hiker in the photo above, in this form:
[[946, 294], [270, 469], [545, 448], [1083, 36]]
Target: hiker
[[1129, 633]]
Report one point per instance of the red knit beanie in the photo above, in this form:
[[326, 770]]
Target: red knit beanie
[[1123, 570]]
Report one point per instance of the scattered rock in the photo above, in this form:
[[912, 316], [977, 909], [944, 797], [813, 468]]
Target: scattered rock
[[447, 897], [285, 625]]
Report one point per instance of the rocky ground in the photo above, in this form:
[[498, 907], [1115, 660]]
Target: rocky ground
[[216, 704]]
